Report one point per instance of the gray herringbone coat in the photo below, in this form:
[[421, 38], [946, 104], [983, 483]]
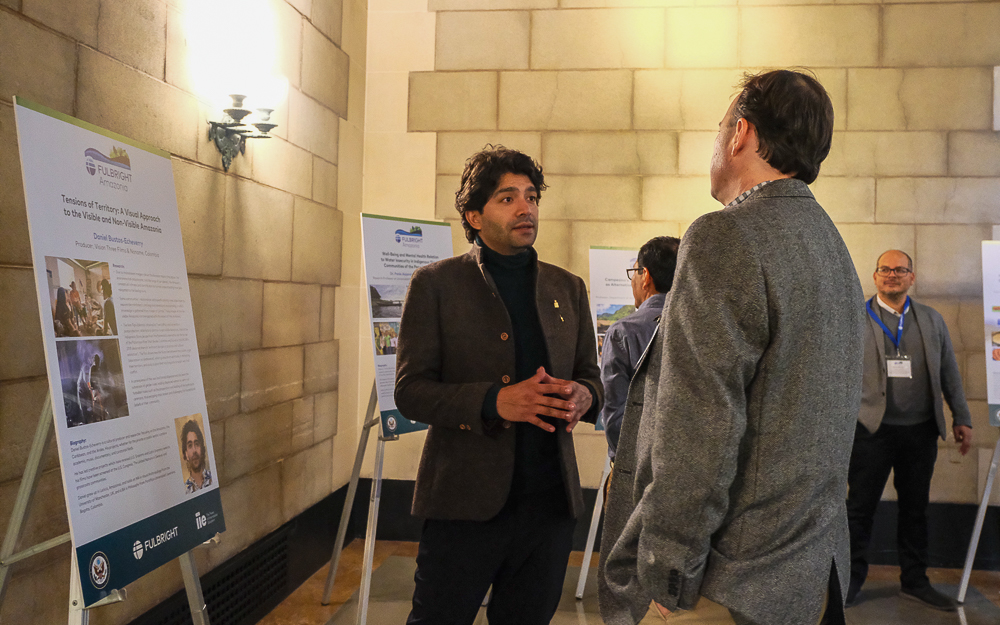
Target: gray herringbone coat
[[739, 474]]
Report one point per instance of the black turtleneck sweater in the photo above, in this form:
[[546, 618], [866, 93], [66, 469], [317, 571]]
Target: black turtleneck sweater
[[536, 462]]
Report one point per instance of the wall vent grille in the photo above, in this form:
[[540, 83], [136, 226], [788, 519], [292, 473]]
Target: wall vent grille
[[239, 592]]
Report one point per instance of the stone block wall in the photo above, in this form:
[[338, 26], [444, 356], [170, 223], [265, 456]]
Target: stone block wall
[[620, 101], [263, 245]]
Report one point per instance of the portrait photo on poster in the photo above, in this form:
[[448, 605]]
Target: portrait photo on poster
[[93, 384], [80, 296], [196, 470]]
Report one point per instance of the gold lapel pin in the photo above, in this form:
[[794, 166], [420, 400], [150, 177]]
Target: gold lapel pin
[[555, 303]]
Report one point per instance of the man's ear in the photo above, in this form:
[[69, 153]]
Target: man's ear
[[744, 137], [647, 281], [475, 219]]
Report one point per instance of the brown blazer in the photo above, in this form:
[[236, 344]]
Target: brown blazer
[[454, 343]]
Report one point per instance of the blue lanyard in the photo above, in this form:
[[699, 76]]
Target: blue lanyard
[[878, 319]]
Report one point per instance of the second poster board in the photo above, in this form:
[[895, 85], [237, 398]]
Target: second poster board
[[393, 249], [611, 296]]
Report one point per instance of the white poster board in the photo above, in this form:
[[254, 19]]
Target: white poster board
[[611, 295], [394, 248], [991, 315], [128, 401]]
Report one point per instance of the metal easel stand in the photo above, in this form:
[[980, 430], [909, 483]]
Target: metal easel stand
[[592, 534], [366, 576], [980, 516], [371, 420], [78, 615], [352, 489]]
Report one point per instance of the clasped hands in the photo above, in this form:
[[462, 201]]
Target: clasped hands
[[528, 399]]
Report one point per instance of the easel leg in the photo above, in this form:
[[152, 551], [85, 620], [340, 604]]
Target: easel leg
[[26, 491], [345, 515], [980, 516], [592, 534], [192, 584], [366, 579], [77, 615]]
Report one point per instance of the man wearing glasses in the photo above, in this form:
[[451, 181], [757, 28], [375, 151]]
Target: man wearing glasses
[[908, 364], [626, 340]]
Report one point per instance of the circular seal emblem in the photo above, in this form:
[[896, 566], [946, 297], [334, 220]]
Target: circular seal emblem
[[100, 570], [391, 422], [91, 166], [137, 550]]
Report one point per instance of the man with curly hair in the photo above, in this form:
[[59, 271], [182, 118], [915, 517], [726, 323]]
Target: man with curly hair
[[497, 354]]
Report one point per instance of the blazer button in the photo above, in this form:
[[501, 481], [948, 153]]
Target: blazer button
[[505, 379], [506, 424], [503, 336]]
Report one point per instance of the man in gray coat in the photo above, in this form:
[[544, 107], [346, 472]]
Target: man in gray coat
[[732, 485], [909, 364]]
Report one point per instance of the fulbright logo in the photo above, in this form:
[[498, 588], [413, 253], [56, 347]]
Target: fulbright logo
[[137, 550], [415, 235], [119, 159], [115, 170]]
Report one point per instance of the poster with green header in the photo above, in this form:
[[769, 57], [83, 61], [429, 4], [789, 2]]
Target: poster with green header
[[991, 315], [393, 249], [128, 402]]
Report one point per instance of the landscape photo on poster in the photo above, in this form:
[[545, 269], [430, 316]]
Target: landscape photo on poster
[[387, 300], [609, 314]]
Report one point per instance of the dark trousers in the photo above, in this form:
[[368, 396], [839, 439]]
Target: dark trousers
[[522, 552], [910, 452]]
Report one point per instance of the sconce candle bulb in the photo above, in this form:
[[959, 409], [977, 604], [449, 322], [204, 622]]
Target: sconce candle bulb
[[230, 133]]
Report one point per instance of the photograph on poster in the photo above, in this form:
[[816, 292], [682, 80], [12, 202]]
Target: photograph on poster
[[80, 296], [387, 300], [607, 316], [92, 381], [196, 471], [386, 335]]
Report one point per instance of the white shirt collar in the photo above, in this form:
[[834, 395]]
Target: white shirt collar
[[885, 306]]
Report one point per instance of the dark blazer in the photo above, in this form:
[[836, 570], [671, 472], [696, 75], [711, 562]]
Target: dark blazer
[[941, 365], [455, 343], [741, 457]]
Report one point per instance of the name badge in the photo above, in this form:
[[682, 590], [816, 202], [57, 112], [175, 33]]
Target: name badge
[[899, 367]]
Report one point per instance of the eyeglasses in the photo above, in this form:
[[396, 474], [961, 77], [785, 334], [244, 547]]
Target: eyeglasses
[[631, 271], [899, 271]]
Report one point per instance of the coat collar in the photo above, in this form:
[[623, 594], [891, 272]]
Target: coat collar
[[783, 187], [654, 300]]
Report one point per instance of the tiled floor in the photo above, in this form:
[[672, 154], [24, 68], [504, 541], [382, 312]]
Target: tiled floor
[[392, 585]]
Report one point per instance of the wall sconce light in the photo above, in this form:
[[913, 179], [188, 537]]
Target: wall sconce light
[[230, 134]]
